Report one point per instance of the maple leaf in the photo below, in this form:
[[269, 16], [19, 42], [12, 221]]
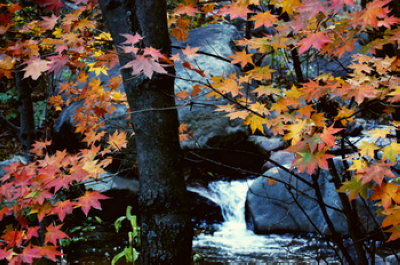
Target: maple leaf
[[391, 152], [208, 8], [118, 140], [378, 133], [260, 73], [50, 252], [147, 65], [196, 90], [186, 9], [375, 172], [62, 208], [182, 95], [39, 146], [241, 57], [191, 52], [48, 23], [327, 135], [155, 53], [6, 254], [310, 161], [91, 199], [51, 5], [190, 66], [393, 216], [234, 10], [395, 230], [385, 192], [368, 149], [313, 39], [180, 34], [355, 188], [32, 232], [29, 253], [131, 39], [256, 123], [97, 70], [267, 90], [35, 68], [54, 233], [264, 19]]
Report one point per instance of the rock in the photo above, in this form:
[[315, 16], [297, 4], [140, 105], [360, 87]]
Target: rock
[[215, 39], [392, 259], [6, 163], [281, 157], [209, 128], [271, 208], [312, 67], [265, 144]]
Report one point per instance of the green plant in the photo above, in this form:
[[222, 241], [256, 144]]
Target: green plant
[[130, 253], [8, 99], [81, 228]]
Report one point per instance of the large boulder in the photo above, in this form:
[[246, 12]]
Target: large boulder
[[209, 127], [277, 208]]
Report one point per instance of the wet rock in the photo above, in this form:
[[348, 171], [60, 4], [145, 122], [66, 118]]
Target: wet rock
[[272, 208], [283, 158], [265, 144]]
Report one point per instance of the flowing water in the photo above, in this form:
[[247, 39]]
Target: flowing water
[[232, 242]]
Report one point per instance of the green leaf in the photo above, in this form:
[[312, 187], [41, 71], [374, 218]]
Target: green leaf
[[117, 257], [129, 213], [118, 222], [98, 219]]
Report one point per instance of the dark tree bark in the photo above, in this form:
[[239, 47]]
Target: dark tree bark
[[26, 132], [166, 232]]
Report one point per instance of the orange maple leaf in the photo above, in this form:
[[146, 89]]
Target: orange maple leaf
[[264, 19], [241, 57], [234, 10], [118, 140], [54, 233], [385, 192], [91, 199], [35, 67]]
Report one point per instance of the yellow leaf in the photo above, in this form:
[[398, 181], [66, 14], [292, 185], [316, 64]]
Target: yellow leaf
[[255, 122]]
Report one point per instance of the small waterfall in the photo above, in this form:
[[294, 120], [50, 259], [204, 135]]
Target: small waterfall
[[232, 242]]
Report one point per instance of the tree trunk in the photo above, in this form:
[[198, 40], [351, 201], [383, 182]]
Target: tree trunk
[[166, 232]]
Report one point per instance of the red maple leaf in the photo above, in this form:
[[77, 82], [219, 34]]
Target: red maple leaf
[[145, 65], [29, 253], [62, 208], [51, 5], [91, 199], [313, 39], [235, 10], [54, 233], [50, 252]]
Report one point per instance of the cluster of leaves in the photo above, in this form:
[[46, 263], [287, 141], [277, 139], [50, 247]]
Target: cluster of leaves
[[327, 28], [43, 39]]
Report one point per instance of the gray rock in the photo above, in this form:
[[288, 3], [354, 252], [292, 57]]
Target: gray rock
[[392, 259], [313, 67], [209, 127], [111, 181], [215, 39], [281, 157], [265, 144], [271, 208], [6, 163]]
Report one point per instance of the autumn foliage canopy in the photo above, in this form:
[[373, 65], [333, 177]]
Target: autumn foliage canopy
[[45, 39]]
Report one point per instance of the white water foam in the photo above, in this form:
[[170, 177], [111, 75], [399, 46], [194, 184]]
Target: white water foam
[[232, 240]]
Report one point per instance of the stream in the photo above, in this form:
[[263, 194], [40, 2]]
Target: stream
[[232, 242]]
